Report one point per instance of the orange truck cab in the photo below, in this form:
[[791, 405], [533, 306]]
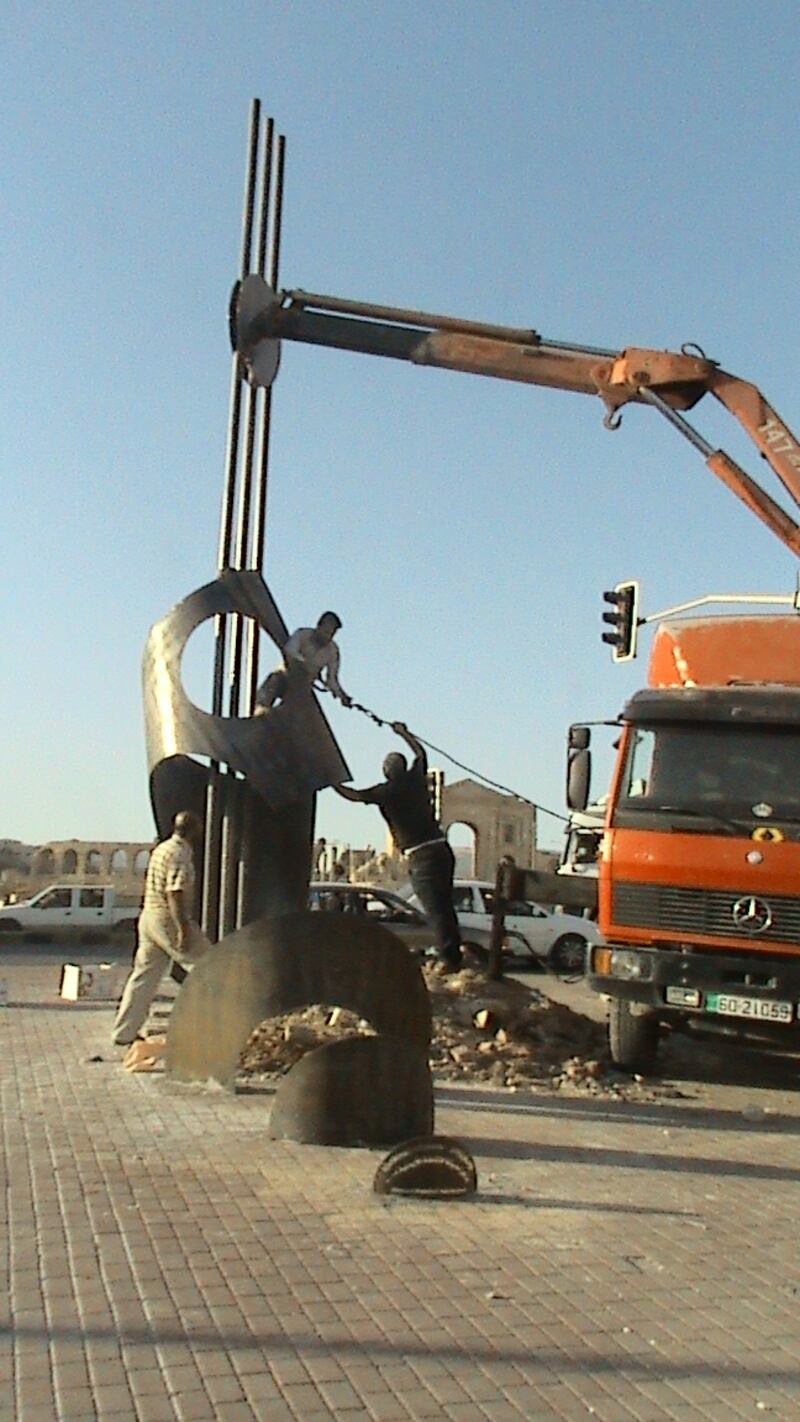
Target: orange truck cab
[[699, 871]]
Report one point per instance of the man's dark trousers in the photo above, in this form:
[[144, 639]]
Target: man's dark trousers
[[431, 869]]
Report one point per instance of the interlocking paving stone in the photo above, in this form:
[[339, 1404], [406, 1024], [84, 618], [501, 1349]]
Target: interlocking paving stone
[[166, 1262]]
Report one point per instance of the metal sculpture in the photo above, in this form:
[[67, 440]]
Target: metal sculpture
[[254, 779], [361, 1091], [377, 1090], [284, 757]]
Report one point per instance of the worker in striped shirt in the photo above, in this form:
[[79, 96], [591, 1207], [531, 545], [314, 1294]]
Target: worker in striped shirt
[[166, 931]]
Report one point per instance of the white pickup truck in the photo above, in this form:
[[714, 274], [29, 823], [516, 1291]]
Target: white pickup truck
[[70, 911]]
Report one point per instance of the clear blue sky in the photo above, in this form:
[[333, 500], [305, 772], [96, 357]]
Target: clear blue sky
[[609, 174]]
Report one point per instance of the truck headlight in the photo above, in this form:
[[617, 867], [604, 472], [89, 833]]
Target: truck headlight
[[629, 964]]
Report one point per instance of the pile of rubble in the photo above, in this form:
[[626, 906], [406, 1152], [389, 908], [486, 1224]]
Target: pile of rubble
[[275, 1045], [501, 1034], [509, 1035]]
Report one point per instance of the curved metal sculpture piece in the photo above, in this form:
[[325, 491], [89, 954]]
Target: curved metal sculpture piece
[[285, 756], [362, 1091], [274, 764], [278, 964]]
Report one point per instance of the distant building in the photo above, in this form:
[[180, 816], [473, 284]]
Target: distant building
[[16, 856], [119, 862]]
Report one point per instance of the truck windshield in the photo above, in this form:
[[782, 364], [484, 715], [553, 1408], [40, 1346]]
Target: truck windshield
[[714, 770]]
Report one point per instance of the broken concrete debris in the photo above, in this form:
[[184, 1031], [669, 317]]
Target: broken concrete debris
[[501, 1034]]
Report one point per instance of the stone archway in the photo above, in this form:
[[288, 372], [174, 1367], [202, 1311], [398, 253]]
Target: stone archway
[[44, 862], [69, 862], [464, 840], [118, 862], [501, 825]]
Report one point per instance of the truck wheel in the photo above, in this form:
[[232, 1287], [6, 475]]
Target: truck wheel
[[632, 1041]]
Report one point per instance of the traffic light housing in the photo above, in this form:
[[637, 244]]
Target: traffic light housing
[[623, 620], [435, 788]]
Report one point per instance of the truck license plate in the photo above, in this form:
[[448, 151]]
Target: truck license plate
[[756, 1008]]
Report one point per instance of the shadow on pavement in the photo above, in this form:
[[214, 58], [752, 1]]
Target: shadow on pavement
[[562, 1363], [590, 1207], [627, 1159], [694, 1060], [750, 1118]]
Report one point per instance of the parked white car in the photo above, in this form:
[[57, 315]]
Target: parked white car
[[401, 916], [70, 910], [527, 923]]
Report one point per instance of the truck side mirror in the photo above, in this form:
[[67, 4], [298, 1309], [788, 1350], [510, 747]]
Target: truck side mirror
[[579, 775], [579, 738]]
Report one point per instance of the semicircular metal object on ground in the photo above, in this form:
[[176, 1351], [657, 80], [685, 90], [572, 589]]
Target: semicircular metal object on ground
[[361, 1091], [430, 1168], [275, 965], [285, 755]]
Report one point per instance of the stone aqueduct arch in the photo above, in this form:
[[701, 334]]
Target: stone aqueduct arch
[[111, 860], [501, 825]]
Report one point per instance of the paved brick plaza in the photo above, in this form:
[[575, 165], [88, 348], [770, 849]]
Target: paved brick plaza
[[165, 1260]]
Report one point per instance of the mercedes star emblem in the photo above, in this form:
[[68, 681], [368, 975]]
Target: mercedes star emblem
[[752, 915]]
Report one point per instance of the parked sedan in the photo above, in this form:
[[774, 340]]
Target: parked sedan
[[528, 924], [398, 915]]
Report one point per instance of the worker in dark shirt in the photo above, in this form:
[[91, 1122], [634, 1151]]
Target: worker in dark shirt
[[405, 804]]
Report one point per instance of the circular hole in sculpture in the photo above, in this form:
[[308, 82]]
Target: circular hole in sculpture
[[199, 659]]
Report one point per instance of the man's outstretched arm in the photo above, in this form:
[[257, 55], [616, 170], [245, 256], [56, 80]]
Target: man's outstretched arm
[[348, 793], [370, 795], [329, 676], [401, 729]]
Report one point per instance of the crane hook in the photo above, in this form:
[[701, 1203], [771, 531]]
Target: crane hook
[[612, 420]]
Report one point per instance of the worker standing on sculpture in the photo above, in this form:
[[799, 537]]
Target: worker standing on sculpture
[[310, 655], [405, 803], [166, 930]]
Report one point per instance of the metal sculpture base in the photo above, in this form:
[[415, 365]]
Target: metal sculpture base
[[276, 844], [363, 1091], [277, 965]]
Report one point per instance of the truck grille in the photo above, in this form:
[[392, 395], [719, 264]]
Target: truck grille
[[707, 911]]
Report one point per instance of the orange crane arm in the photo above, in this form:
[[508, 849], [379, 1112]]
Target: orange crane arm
[[670, 382]]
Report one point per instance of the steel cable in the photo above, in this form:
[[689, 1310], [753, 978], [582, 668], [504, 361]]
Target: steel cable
[[438, 750]]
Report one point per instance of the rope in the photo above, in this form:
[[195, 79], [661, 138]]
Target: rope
[[494, 784]]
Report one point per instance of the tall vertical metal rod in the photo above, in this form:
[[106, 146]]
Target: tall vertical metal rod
[[243, 529], [266, 191], [275, 255], [213, 869], [232, 808], [251, 665], [260, 499]]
